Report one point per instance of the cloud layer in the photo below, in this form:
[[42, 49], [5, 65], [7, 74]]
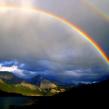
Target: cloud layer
[[46, 47]]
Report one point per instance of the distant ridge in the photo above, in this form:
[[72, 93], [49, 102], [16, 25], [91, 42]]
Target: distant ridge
[[94, 89]]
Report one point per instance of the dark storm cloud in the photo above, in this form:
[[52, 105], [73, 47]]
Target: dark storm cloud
[[73, 75]]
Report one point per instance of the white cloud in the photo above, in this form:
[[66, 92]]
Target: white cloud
[[18, 71], [10, 69]]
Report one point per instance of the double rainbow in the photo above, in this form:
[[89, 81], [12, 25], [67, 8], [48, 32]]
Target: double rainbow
[[64, 21]]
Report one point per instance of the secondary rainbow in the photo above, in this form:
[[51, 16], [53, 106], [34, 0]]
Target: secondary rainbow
[[97, 10], [64, 21]]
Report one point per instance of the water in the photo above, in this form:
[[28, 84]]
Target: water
[[6, 102]]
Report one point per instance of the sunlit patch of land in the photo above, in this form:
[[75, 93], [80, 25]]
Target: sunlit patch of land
[[46, 88]]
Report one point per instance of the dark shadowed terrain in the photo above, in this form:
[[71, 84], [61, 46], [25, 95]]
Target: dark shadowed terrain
[[89, 92]]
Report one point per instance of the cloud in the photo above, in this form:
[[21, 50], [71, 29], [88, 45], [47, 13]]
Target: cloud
[[17, 71], [78, 73], [25, 3], [83, 15], [42, 45], [21, 73], [73, 75]]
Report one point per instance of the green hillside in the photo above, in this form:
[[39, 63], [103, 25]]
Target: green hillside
[[28, 89]]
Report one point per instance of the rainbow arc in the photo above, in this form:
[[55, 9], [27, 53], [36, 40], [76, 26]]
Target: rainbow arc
[[64, 21]]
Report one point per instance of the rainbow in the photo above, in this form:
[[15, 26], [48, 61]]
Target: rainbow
[[64, 21], [97, 10]]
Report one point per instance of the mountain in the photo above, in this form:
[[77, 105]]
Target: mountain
[[10, 78], [41, 86]]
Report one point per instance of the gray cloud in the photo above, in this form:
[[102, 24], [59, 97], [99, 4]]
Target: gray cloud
[[44, 44], [81, 14]]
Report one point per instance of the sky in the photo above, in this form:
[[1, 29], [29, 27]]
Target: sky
[[80, 13], [33, 44]]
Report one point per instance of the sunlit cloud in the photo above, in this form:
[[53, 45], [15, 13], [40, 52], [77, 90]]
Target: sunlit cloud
[[16, 68], [21, 3]]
